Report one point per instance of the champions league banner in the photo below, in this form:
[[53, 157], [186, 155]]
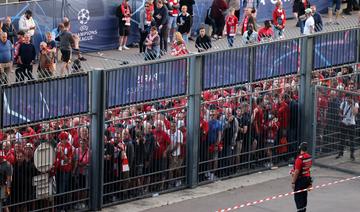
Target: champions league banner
[[147, 82], [97, 26], [335, 49], [44, 100]]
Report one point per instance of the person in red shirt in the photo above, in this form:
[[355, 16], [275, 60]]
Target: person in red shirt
[[265, 33], [231, 26], [162, 143], [63, 163], [301, 177], [279, 20], [284, 113], [272, 127], [257, 119], [178, 47]]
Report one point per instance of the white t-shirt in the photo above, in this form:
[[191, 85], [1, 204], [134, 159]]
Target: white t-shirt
[[176, 137], [349, 118], [309, 24], [25, 25]]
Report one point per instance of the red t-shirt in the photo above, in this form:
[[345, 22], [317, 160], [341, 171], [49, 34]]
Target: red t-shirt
[[284, 115], [231, 25], [162, 141], [303, 163], [265, 33], [64, 151], [259, 120]]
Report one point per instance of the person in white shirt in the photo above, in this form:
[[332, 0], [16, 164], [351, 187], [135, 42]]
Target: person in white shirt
[[27, 23], [309, 27], [348, 110], [176, 160]]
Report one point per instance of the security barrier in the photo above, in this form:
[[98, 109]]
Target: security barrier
[[161, 126]]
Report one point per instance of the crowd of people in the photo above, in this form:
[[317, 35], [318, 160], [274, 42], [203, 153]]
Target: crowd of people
[[18, 53], [338, 110]]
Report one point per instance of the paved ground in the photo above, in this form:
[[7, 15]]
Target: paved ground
[[323, 200], [114, 58], [228, 193]]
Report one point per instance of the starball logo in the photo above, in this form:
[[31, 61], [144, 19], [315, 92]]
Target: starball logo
[[84, 16]]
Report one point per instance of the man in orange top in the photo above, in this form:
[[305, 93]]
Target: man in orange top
[[301, 178]]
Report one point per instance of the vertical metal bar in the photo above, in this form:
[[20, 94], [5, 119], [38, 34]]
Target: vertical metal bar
[[306, 100], [315, 91], [357, 49], [2, 113], [97, 108], [193, 124]]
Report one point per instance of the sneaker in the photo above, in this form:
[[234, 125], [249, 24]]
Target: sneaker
[[352, 157], [339, 156], [82, 206], [126, 48], [178, 183], [120, 48]]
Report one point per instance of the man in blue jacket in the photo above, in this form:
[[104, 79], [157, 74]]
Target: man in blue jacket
[[6, 58]]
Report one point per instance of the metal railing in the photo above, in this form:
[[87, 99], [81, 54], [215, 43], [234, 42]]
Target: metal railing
[[177, 92]]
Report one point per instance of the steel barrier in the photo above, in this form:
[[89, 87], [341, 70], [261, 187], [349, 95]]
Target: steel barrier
[[176, 98]]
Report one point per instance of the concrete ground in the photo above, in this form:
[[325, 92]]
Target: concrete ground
[[228, 193], [114, 58]]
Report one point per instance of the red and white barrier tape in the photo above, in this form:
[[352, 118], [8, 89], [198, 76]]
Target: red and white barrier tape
[[285, 195]]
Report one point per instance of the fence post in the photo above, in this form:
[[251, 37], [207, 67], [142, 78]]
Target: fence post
[[1, 108], [358, 46], [193, 119], [97, 108], [306, 100]]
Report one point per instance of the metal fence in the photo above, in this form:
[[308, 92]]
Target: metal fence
[[336, 120], [164, 125]]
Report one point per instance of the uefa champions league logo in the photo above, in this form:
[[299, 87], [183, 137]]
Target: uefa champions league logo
[[84, 16]]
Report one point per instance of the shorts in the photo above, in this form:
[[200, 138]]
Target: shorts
[[124, 30], [172, 22], [337, 4], [65, 55]]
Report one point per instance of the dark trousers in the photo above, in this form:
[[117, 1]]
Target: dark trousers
[[164, 34], [143, 35], [347, 139], [24, 70], [301, 198], [219, 25]]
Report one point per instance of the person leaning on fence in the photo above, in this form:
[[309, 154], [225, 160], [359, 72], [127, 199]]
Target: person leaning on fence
[[6, 173], [9, 28], [46, 66], [6, 58], [152, 43], [27, 55], [178, 46], [250, 36], [279, 20], [348, 110], [266, 33], [317, 19], [203, 41]]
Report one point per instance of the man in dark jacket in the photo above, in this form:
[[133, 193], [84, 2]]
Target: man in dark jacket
[[203, 41], [9, 29], [27, 56], [317, 19], [184, 23], [161, 16]]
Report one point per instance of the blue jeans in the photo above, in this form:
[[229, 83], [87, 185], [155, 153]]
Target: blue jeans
[[301, 25], [278, 32], [185, 37], [230, 40]]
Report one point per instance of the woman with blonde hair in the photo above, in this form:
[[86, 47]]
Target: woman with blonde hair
[[178, 47]]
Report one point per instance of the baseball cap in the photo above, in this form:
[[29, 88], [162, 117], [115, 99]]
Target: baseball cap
[[308, 10]]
